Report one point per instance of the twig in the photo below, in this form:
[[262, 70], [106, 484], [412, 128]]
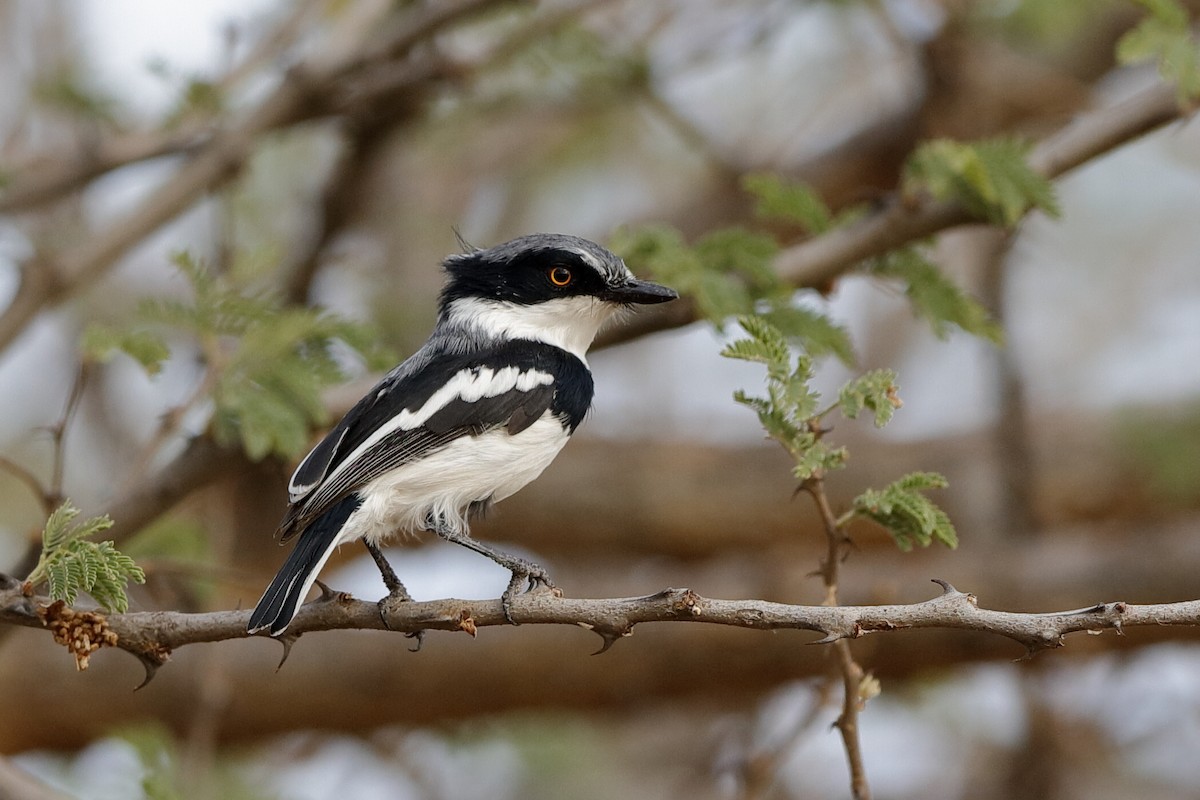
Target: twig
[[49, 496], [152, 635], [58, 431], [30, 480], [756, 771], [852, 672]]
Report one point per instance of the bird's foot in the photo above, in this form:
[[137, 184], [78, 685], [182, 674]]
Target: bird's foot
[[526, 577], [399, 595]]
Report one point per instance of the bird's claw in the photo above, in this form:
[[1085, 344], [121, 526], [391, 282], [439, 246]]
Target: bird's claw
[[526, 577], [399, 595]]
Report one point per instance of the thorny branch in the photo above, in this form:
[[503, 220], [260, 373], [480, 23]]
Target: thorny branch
[[151, 636]]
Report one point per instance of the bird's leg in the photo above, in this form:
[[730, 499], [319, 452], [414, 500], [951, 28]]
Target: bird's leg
[[525, 574], [394, 586], [395, 590]]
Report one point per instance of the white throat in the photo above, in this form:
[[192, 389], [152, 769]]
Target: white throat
[[567, 322]]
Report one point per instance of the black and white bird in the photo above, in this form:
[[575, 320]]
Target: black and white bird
[[470, 418]]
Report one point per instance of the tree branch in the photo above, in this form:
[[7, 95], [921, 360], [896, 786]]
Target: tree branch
[[48, 176], [818, 261], [152, 635]]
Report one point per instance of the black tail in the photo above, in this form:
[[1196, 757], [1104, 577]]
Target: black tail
[[285, 594]]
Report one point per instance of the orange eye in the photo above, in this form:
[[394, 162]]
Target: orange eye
[[560, 276]]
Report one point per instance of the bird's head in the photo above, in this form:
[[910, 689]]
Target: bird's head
[[547, 287]]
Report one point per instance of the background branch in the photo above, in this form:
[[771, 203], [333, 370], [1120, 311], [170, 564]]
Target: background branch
[[816, 262], [306, 92]]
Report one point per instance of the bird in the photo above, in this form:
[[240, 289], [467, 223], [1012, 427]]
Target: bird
[[475, 414]]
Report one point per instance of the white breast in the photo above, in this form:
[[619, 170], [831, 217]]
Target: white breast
[[443, 484]]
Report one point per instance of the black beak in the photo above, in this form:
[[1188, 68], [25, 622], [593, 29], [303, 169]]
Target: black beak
[[640, 292]]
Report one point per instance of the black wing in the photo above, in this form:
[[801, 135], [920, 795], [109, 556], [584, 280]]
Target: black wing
[[404, 418]]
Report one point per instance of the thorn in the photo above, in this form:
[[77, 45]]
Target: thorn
[[609, 641], [610, 638], [151, 664], [329, 595], [850, 547], [1030, 652], [947, 587], [287, 640], [420, 637], [1045, 641], [830, 638]]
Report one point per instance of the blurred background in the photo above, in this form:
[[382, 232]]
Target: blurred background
[[330, 149]]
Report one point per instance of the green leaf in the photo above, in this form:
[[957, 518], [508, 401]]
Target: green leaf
[[991, 178], [660, 252], [745, 256], [919, 481], [1168, 12], [935, 297], [70, 563], [910, 517], [788, 201], [271, 362], [818, 458], [60, 528], [269, 393], [731, 273], [789, 412], [766, 345], [59, 582], [772, 352], [1165, 36], [101, 343], [814, 331], [875, 391]]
